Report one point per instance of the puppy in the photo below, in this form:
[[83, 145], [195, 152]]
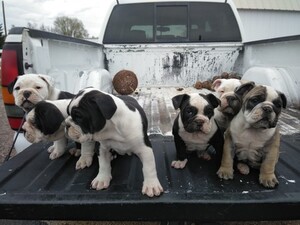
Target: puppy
[[118, 123], [30, 89], [194, 128], [46, 122], [253, 136], [231, 103], [222, 86]]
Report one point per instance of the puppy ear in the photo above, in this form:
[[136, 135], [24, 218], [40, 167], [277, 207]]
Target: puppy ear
[[283, 99], [216, 84], [11, 85], [179, 99], [106, 105], [244, 88], [49, 80], [48, 118], [213, 100]]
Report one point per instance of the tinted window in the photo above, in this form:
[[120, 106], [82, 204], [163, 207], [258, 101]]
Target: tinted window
[[186, 22]]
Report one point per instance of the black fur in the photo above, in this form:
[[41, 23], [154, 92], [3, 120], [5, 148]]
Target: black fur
[[48, 118], [11, 85], [188, 113], [132, 104], [65, 95]]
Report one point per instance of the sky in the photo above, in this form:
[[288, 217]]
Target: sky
[[90, 12]]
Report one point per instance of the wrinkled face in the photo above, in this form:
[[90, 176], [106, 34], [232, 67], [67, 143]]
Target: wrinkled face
[[30, 89], [262, 106], [197, 113], [31, 133], [231, 103], [84, 117], [44, 122]]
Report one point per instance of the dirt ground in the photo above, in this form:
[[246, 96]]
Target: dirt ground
[[6, 139]]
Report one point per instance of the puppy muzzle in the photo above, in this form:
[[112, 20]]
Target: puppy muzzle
[[194, 126]]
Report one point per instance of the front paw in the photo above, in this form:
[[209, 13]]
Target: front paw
[[225, 173], [55, 152], [178, 164], [268, 180], [84, 161], [152, 187], [75, 151], [101, 182]]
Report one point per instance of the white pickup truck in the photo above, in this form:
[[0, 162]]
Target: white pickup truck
[[169, 45]]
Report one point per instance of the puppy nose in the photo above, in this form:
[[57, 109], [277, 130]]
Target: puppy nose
[[26, 94], [199, 123], [267, 109]]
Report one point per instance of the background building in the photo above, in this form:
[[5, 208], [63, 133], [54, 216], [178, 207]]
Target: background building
[[263, 19]]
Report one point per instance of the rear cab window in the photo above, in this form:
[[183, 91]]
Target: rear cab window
[[172, 22]]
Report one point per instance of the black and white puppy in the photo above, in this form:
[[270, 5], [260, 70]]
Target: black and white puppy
[[46, 122], [118, 123], [194, 128], [253, 136], [29, 89]]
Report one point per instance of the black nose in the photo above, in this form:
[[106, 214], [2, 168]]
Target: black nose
[[267, 109], [26, 94], [199, 123]]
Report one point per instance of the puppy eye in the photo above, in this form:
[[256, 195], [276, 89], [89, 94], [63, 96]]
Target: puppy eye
[[17, 88], [38, 87]]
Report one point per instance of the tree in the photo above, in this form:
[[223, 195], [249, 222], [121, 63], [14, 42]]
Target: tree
[[70, 27], [2, 37]]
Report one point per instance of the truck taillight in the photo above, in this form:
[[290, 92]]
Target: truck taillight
[[9, 71]]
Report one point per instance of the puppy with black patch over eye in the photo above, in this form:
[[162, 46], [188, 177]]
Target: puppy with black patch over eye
[[118, 123], [194, 128], [253, 136], [29, 89], [45, 122]]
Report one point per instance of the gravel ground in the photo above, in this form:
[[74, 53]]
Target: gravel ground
[[6, 139]]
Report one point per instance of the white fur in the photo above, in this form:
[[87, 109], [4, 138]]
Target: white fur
[[222, 86], [122, 133], [41, 88]]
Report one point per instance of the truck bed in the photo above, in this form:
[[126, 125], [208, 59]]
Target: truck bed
[[34, 187]]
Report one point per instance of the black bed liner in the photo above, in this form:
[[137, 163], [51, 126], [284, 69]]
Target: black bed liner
[[34, 187]]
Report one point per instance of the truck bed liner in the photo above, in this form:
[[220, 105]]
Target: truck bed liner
[[34, 187]]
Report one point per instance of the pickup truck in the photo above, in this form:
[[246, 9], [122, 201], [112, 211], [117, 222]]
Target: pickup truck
[[169, 45]]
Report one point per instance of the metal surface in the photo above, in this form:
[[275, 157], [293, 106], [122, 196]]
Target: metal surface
[[172, 64]]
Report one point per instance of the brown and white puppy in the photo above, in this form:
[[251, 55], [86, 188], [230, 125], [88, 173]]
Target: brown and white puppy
[[231, 103], [29, 89], [46, 122], [194, 128], [118, 123], [253, 136], [222, 86]]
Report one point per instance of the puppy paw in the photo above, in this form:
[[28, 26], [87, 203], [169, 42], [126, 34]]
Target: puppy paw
[[268, 180], [225, 173], [101, 182], [152, 187], [84, 161], [50, 149], [178, 164], [75, 151], [56, 154], [204, 155], [243, 168]]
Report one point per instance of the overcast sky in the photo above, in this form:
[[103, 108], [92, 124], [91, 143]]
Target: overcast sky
[[90, 12]]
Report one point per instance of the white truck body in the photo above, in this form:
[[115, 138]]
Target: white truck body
[[163, 60]]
